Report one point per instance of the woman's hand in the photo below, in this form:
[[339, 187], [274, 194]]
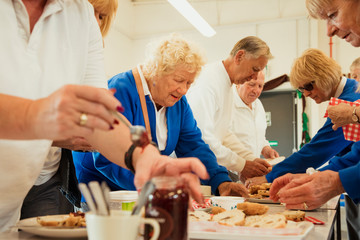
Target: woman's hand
[[255, 181], [58, 116], [341, 114], [302, 191], [149, 163], [233, 189], [269, 152]]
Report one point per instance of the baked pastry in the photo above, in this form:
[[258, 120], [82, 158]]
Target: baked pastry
[[295, 216], [252, 208], [264, 193], [216, 210], [260, 189], [199, 216], [266, 221], [233, 217], [73, 220]]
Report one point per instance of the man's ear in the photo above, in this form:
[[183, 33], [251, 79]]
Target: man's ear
[[239, 56]]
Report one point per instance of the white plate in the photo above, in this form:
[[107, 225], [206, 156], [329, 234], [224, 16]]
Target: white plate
[[261, 200], [31, 225], [250, 235], [275, 161]]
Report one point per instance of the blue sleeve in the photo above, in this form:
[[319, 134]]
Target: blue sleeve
[[325, 144], [121, 177], [345, 161], [126, 93], [190, 144], [350, 179]]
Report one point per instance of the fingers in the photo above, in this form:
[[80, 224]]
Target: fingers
[[247, 183], [242, 190], [98, 116], [263, 162], [278, 184], [193, 185], [148, 167], [103, 96], [294, 189], [191, 164]]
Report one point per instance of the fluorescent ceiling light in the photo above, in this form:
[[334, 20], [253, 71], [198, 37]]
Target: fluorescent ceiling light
[[184, 7]]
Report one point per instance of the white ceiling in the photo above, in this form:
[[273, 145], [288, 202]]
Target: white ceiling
[[137, 18]]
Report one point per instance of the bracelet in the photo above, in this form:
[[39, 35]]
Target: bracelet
[[311, 171], [128, 158]]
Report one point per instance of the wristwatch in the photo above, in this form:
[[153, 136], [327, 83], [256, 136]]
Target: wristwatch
[[354, 116]]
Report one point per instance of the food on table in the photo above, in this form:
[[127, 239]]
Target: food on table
[[199, 216], [266, 221], [260, 191], [252, 208], [73, 220], [233, 217], [249, 215], [216, 210], [295, 216]]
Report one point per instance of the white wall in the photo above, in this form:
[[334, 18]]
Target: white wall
[[283, 24]]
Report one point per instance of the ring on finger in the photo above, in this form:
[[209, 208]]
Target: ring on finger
[[83, 119], [305, 206]]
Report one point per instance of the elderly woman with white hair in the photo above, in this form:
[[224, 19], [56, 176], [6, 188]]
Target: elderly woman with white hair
[[165, 77]]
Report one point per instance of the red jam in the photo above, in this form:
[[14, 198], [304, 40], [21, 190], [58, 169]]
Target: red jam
[[169, 206]]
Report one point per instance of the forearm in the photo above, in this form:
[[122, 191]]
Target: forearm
[[112, 144], [16, 118]]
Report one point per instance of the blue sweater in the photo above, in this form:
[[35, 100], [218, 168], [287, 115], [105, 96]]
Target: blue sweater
[[184, 137], [325, 144]]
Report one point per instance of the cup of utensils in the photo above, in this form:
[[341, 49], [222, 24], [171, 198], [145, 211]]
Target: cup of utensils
[[103, 223]]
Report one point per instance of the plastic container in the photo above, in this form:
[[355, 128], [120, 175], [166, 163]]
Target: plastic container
[[227, 203], [123, 200]]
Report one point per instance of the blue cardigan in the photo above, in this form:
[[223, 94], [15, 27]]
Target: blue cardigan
[[184, 137], [325, 144]]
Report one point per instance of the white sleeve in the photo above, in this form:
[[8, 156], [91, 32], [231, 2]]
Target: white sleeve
[[265, 142], [95, 69], [204, 109]]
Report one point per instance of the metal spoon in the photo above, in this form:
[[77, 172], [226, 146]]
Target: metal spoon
[[138, 133], [148, 188]]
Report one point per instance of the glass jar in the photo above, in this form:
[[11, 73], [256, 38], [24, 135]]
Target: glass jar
[[168, 204]]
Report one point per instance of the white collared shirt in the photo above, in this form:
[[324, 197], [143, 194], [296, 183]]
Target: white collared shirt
[[65, 47], [211, 100], [249, 124], [161, 125], [340, 88]]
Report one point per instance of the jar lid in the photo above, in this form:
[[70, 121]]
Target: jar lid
[[124, 195]]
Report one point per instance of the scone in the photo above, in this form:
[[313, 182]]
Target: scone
[[295, 216], [264, 193], [266, 221], [199, 216], [233, 217], [216, 210], [252, 208]]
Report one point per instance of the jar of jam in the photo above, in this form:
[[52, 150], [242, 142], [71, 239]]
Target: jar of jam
[[168, 204]]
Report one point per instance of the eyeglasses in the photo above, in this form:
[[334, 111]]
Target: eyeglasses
[[308, 87]]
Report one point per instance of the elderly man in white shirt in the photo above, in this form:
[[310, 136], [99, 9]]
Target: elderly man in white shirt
[[249, 120], [211, 100]]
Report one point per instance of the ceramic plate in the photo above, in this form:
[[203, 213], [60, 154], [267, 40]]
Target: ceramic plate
[[275, 161], [30, 225], [250, 234], [261, 200]]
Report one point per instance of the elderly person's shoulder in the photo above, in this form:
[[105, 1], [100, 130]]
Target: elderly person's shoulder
[[123, 82]]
